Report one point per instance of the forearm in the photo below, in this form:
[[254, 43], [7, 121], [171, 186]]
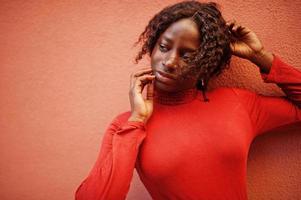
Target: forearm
[[263, 60], [287, 77], [112, 173]]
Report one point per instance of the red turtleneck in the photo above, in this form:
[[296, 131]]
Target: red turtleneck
[[189, 148]]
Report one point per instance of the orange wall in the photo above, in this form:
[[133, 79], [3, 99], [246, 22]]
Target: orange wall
[[65, 68]]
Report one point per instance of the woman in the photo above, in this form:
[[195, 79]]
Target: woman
[[186, 142]]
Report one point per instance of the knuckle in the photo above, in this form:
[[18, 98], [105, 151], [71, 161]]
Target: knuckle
[[139, 78]]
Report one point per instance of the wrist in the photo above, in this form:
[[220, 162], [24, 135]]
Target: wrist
[[133, 118], [263, 59]]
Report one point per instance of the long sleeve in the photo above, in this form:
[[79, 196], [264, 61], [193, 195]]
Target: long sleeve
[[111, 175], [270, 112]]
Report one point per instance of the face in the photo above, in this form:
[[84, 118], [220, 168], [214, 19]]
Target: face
[[169, 59]]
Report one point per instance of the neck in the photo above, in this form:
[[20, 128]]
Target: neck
[[175, 98]]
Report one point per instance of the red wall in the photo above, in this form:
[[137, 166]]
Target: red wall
[[65, 68]]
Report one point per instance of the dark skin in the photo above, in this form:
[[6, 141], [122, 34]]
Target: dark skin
[[169, 58]]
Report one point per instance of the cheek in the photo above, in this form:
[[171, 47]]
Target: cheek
[[191, 74], [156, 58], [152, 61]]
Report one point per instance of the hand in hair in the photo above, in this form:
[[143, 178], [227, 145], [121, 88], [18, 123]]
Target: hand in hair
[[246, 44]]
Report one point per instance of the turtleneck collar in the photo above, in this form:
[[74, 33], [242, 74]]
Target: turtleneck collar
[[175, 98]]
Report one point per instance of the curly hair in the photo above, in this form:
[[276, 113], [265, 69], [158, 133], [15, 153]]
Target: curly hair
[[213, 54]]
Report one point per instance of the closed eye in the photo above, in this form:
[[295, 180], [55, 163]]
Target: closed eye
[[187, 55], [163, 48]]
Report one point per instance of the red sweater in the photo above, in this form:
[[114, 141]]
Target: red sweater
[[191, 149]]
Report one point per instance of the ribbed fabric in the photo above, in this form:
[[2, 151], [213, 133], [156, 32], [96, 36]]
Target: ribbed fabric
[[175, 98]]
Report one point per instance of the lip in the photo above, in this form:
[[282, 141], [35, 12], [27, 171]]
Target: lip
[[166, 75], [165, 78]]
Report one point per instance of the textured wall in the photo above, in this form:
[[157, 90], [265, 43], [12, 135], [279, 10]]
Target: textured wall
[[65, 69]]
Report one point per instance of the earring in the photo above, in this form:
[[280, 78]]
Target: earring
[[204, 90], [202, 83]]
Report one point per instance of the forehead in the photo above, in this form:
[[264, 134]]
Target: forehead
[[184, 30]]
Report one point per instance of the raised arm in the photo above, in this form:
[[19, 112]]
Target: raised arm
[[270, 112], [287, 77], [267, 112], [111, 175]]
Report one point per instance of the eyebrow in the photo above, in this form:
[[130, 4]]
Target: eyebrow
[[167, 39], [189, 49]]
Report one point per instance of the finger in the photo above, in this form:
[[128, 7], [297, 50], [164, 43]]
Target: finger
[[150, 91], [242, 31], [230, 23], [235, 29], [146, 82], [234, 26], [238, 30], [143, 68], [141, 81], [142, 72], [139, 73]]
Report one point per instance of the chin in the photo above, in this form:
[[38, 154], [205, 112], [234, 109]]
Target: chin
[[165, 87]]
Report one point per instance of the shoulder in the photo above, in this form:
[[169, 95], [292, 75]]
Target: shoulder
[[234, 90], [233, 93], [244, 94]]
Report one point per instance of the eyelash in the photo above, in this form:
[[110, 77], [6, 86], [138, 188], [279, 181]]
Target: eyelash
[[164, 49], [161, 47]]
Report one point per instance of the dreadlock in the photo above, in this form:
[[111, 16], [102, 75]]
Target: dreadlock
[[213, 54]]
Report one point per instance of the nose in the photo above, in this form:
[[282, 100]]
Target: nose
[[171, 62]]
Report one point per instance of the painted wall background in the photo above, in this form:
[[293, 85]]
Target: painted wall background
[[65, 68]]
